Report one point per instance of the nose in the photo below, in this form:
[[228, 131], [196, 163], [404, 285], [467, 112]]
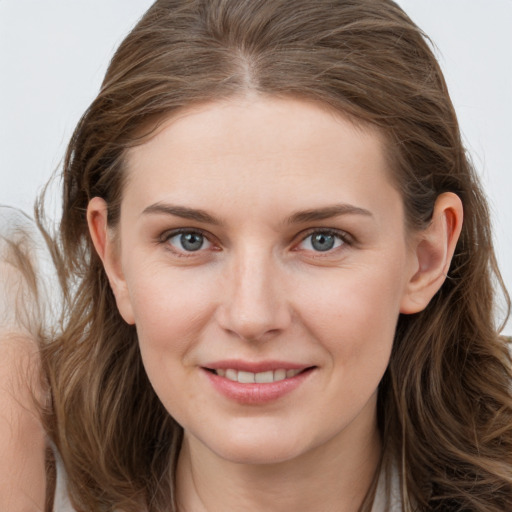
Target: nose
[[254, 306]]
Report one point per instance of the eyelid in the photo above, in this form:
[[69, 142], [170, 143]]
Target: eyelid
[[345, 237], [171, 233]]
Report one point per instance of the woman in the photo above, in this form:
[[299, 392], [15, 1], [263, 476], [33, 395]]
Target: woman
[[273, 301]]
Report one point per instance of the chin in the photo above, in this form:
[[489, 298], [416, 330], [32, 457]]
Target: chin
[[260, 448], [258, 455]]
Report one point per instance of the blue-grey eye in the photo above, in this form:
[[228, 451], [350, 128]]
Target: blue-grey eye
[[189, 241], [321, 241]]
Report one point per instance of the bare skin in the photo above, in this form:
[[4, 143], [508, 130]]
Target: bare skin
[[22, 438], [276, 487]]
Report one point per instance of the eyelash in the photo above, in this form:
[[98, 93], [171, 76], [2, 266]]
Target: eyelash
[[168, 235], [342, 236]]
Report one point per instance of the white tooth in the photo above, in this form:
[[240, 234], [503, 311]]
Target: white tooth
[[232, 374], [221, 373], [264, 377], [291, 373], [279, 375], [245, 377]]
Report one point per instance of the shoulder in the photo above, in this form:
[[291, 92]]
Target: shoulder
[[22, 437]]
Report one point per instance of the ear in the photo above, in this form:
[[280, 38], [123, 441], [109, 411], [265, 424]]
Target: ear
[[108, 248], [433, 250]]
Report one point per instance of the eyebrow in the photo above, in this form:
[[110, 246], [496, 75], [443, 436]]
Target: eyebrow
[[181, 211], [299, 217], [326, 213]]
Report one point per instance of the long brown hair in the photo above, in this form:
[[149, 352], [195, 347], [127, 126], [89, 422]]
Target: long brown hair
[[445, 406]]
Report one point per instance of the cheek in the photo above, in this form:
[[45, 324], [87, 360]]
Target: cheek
[[170, 307], [170, 315], [357, 332], [355, 313]]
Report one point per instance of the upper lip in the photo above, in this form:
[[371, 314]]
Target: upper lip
[[255, 366]]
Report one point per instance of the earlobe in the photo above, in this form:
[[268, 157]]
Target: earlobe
[[433, 251], [108, 251]]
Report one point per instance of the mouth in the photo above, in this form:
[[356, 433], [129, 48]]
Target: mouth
[[257, 383], [266, 377]]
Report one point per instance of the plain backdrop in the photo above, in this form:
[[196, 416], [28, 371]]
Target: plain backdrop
[[53, 55]]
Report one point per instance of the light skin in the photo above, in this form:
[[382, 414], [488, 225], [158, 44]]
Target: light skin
[[262, 229], [22, 436]]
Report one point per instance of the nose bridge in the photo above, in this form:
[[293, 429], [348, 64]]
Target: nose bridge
[[256, 304]]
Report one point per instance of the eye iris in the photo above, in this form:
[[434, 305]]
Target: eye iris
[[322, 241], [191, 241]]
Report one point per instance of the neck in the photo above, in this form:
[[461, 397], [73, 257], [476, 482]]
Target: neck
[[335, 476]]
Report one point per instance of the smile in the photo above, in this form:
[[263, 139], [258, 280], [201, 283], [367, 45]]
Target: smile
[[259, 378], [265, 384]]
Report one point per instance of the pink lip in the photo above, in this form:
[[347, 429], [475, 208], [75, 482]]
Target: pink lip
[[257, 394], [254, 367]]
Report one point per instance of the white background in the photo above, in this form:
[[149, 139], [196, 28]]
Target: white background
[[53, 54]]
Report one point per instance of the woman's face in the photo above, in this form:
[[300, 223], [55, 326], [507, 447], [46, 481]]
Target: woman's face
[[264, 261]]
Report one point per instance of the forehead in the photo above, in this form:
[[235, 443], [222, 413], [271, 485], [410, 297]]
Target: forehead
[[259, 150]]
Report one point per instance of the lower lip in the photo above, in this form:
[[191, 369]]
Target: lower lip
[[256, 394]]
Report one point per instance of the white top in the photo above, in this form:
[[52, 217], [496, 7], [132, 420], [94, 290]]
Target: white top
[[61, 499], [380, 503]]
